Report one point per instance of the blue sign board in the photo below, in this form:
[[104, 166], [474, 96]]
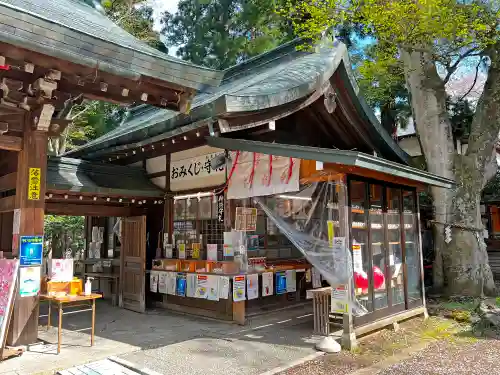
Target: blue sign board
[[31, 250], [280, 282]]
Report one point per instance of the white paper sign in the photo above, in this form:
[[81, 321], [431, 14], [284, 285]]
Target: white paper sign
[[162, 282], [223, 287], [357, 256], [212, 251], [252, 286], [191, 284], [61, 270], [201, 286], [340, 299], [29, 281], [171, 283], [17, 221], [168, 251], [267, 284], [213, 288], [153, 281], [316, 278], [239, 286], [291, 281]]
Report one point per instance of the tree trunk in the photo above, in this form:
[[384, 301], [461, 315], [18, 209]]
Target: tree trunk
[[461, 267]]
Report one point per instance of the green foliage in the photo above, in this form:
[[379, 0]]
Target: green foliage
[[97, 118], [63, 233], [221, 33]]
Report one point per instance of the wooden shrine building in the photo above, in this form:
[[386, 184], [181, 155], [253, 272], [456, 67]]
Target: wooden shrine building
[[52, 54], [294, 113]]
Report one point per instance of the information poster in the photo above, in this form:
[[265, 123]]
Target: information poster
[[228, 244], [196, 250], [8, 277], [223, 287], [239, 286], [267, 284], [340, 299], [162, 282], [252, 286], [191, 284], [180, 289], [246, 219], [357, 257], [212, 252], [29, 281], [61, 270], [316, 278], [31, 250], [291, 281], [280, 282], [182, 251], [212, 287], [153, 281], [169, 253], [171, 283], [201, 286]]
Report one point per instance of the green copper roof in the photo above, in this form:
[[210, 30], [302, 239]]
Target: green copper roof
[[80, 176], [76, 32], [344, 157], [279, 77]]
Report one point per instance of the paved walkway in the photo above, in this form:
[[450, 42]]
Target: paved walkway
[[172, 343]]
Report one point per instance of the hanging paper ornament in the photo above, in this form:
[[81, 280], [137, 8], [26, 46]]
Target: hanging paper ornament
[[378, 278]]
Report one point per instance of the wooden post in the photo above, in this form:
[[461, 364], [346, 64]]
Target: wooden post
[[24, 324]]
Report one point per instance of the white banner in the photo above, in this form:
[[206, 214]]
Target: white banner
[[256, 175]]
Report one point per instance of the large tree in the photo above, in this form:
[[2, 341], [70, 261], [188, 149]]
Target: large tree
[[431, 40], [221, 33]]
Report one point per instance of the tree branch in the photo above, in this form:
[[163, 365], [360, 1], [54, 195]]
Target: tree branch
[[453, 68], [474, 82]]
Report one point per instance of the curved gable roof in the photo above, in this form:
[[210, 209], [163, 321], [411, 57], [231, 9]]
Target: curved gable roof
[[76, 32], [274, 79]]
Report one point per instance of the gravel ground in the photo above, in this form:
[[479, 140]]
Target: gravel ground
[[444, 358], [439, 358], [449, 351]]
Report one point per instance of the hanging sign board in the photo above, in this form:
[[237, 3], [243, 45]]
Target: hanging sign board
[[188, 171], [31, 250], [34, 185], [220, 208], [246, 219], [8, 278]]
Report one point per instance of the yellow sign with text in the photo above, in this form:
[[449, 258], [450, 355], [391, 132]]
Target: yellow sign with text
[[34, 184]]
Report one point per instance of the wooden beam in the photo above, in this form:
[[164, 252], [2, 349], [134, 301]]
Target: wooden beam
[[69, 209], [10, 143], [8, 182], [7, 204]]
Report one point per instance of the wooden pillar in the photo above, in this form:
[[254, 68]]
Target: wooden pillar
[[24, 324]]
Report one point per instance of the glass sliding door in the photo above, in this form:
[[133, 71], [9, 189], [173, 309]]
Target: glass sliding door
[[385, 247], [361, 256], [378, 246], [412, 254], [395, 269]]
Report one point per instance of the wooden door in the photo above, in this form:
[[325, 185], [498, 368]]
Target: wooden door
[[133, 264]]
